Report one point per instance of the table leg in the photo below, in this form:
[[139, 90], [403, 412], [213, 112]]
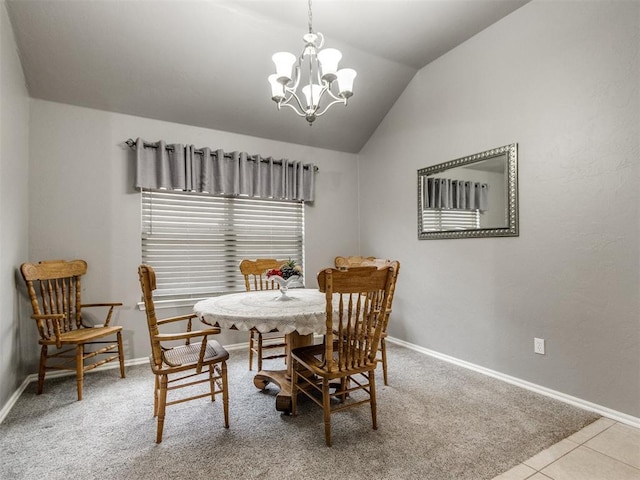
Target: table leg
[[282, 378]]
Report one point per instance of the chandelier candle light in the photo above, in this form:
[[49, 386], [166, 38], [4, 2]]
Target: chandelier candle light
[[322, 79]]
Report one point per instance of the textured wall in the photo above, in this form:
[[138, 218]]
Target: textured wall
[[83, 204], [561, 80], [16, 333]]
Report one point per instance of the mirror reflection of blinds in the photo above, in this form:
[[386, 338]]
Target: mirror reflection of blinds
[[196, 242], [437, 220]]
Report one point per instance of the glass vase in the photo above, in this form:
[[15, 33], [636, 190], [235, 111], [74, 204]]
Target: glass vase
[[284, 285]]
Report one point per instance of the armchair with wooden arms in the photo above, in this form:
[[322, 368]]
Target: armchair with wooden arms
[[254, 272], [177, 366], [55, 289], [356, 304]]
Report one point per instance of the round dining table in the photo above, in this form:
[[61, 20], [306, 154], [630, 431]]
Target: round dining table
[[299, 314]]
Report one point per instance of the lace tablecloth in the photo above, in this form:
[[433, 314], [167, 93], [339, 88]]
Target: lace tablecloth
[[304, 312]]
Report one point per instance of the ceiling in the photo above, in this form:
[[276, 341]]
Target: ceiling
[[205, 63]]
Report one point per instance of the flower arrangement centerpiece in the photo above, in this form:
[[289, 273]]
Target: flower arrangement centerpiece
[[287, 273]]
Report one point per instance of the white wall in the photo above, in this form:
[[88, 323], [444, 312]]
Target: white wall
[[16, 333], [562, 80], [83, 204]]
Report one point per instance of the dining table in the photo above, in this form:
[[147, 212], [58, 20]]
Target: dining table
[[299, 314]]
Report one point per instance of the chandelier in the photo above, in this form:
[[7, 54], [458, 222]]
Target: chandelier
[[323, 85]]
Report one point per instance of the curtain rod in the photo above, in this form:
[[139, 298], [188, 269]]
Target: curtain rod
[[132, 143]]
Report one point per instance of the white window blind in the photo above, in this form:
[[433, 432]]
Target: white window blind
[[196, 242], [437, 220]]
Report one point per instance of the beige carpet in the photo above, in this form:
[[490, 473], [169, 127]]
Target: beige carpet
[[436, 421]]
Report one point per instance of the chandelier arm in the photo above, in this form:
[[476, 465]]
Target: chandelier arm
[[312, 61], [333, 95], [292, 107], [287, 102], [324, 110], [326, 88], [318, 75], [297, 76]]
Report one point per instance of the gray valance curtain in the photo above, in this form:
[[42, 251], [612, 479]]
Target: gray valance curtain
[[184, 167], [445, 193]]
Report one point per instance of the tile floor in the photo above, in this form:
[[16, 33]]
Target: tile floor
[[604, 450]]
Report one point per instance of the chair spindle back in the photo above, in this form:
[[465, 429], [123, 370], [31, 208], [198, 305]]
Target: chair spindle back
[[254, 273], [357, 300], [54, 289]]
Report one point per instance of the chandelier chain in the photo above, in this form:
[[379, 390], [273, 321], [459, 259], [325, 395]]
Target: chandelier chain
[[310, 19]]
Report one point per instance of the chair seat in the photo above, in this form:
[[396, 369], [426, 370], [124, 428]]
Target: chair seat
[[186, 356], [82, 335], [312, 357]]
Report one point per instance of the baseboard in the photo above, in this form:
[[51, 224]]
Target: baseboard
[[563, 397], [14, 398]]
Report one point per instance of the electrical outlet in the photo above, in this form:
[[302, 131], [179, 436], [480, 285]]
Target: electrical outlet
[[538, 345]]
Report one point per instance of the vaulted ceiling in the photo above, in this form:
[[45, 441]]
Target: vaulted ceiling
[[205, 63]]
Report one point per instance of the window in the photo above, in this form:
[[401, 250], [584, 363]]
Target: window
[[437, 220], [195, 242]]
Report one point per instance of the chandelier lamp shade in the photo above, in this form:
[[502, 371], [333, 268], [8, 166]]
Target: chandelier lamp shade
[[311, 83]]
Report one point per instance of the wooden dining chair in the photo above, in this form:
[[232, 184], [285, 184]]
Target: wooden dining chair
[[186, 365], [346, 262], [382, 352], [356, 304], [55, 291], [254, 272], [350, 261]]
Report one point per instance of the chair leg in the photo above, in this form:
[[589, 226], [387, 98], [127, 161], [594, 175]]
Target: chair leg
[[156, 388], [259, 351], [162, 405], [79, 369], [294, 387], [383, 348], [212, 382], [251, 340], [120, 354], [225, 395], [326, 407], [372, 399], [42, 369], [344, 385]]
